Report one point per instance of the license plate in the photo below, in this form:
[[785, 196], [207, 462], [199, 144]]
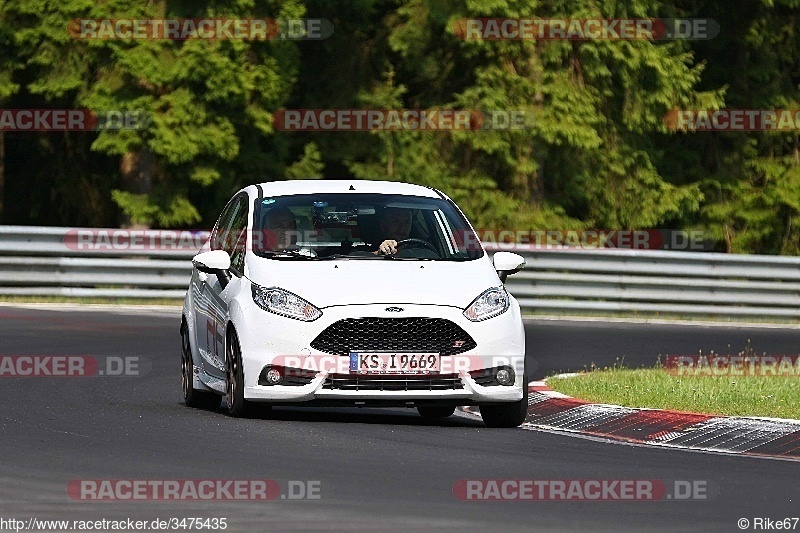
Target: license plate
[[394, 363]]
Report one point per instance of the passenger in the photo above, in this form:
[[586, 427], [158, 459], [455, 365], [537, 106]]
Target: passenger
[[280, 228]]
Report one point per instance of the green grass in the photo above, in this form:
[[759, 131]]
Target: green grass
[[93, 300], [765, 396]]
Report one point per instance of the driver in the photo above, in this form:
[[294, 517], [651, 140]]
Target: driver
[[396, 225]]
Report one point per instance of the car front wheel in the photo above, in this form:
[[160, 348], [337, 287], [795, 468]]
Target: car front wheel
[[506, 415], [234, 379]]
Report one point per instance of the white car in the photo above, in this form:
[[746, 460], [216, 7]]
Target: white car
[[352, 293]]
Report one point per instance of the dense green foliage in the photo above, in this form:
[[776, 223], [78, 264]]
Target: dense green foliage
[[596, 154]]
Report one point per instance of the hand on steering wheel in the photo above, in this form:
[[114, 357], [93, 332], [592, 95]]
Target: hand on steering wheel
[[387, 247], [425, 244], [391, 246]]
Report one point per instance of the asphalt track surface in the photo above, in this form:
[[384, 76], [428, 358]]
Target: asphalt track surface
[[379, 470]]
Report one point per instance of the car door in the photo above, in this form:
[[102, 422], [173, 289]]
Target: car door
[[204, 323], [232, 239], [203, 285]]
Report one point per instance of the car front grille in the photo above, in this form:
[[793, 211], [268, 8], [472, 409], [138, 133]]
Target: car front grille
[[420, 335], [389, 383]]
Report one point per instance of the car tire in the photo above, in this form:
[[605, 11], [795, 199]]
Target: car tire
[[191, 396], [506, 415], [238, 407], [435, 411]]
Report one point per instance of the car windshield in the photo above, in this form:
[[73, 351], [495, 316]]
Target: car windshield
[[354, 225]]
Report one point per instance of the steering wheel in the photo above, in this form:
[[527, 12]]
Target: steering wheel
[[425, 244]]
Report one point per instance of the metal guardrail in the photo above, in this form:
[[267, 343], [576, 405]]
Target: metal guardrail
[[155, 264], [93, 262], [686, 283]]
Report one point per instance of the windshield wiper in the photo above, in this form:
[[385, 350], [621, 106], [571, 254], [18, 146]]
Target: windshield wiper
[[345, 256], [394, 257], [287, 254]]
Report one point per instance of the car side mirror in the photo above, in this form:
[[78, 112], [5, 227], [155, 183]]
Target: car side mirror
[[506, 263], [216, 262]]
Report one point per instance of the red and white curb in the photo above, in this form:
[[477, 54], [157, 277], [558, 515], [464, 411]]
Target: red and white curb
[[549, 409]]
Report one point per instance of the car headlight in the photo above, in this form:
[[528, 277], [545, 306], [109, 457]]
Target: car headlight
[[489, 304], [284, 303]]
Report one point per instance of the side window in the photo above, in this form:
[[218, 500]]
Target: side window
[[237, 235], [220, 230], [230, 234], [420, 226], [227, 231]]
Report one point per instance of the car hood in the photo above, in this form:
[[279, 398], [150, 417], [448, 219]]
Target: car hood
[[369, 281]]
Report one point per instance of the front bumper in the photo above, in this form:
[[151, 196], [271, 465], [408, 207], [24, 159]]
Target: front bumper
[[268, 339]]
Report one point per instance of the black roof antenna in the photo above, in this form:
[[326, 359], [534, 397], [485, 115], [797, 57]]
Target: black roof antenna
[[351, 188]]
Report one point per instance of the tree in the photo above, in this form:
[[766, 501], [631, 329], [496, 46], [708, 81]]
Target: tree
[[750, 180], [200, 96]]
